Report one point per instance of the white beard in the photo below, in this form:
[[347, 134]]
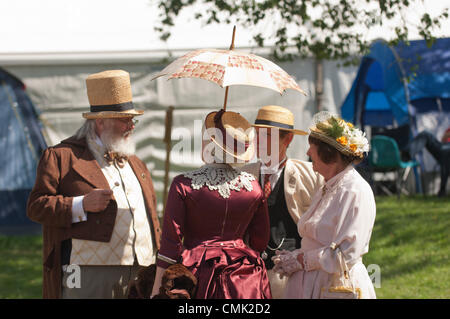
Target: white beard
[[123, 145]]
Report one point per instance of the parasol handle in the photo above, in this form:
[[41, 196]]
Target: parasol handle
[[225, 100], [226, 89]]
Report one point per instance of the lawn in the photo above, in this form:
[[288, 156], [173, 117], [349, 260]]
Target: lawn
[[410, 244], [21, 266]]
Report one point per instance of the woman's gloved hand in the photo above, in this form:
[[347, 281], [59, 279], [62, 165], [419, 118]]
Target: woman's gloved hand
[[287, 262]]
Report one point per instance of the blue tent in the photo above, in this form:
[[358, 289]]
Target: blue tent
[[21, 144], [393, 84]]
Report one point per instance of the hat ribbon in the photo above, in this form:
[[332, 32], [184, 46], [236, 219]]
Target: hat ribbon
[[113, 107], [273, 123]]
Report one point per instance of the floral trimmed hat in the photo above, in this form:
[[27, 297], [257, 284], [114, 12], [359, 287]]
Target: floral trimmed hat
[[340, 134]]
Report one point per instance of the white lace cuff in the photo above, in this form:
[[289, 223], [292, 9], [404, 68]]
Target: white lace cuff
[[286, 262]]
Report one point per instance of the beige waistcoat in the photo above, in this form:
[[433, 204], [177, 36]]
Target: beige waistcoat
[[131, 235]]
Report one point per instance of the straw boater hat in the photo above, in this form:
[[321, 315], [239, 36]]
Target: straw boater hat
[[341, 135], [274, 116], [109, 94], [236, 132]]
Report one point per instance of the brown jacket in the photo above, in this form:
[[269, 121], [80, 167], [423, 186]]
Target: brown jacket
[[67, 170]]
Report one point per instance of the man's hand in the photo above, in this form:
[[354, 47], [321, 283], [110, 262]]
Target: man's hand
[[97, 200]]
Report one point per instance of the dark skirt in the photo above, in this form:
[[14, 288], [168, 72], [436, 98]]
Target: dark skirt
[[227, 270]]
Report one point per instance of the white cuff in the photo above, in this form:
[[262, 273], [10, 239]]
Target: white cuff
[[78, 214], [311, 259]]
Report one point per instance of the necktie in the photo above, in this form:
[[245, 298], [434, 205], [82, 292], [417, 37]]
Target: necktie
[[267, 186], [113, 157]]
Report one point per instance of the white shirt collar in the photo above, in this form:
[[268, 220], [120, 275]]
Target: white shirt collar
[[98, 140], [96, 147], [275, 169], [335, 179]]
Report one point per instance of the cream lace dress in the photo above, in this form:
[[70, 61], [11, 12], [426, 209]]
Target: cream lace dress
[[344, 213]]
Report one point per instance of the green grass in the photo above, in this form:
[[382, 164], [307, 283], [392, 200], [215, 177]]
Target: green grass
[[410, 243], [21, 266]]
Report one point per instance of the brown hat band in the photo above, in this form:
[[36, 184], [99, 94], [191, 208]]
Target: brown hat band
[[219, 125], [113, 107], [276, 124]]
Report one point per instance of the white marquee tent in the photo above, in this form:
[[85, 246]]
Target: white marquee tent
[[56, 85]]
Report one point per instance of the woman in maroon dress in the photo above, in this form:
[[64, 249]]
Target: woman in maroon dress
[[216, 221]]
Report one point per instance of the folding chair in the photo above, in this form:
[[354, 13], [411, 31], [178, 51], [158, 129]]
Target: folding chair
[[384, 157]]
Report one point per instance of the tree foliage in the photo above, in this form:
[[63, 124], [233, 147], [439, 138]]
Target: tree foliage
[[324, 29]]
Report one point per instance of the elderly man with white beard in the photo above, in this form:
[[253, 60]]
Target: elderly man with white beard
[[95, 200]]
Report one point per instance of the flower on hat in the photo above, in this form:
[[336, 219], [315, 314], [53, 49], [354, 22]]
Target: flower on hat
[[345, 134], [342, 140], [358, 138]]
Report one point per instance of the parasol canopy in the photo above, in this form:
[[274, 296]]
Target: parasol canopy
[[230, 67]]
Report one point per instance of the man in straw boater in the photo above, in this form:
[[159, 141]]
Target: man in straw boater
[[216, 221], [288, 184], [95, 200]]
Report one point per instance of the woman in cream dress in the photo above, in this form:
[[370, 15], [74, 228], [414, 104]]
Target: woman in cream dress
[[341, 215]]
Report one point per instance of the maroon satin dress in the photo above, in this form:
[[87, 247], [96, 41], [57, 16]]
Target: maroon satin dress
[[206, 233]]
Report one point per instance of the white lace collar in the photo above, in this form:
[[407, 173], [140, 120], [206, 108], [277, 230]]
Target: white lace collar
[[220, 177]]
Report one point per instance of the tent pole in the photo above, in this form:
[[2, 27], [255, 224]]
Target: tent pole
[[319, 83], [168, 141], [412, 120]]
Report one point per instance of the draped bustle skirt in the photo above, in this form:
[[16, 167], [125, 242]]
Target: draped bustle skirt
[[227, 270]]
